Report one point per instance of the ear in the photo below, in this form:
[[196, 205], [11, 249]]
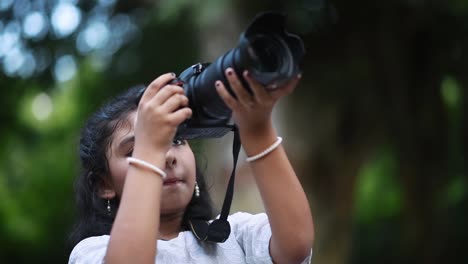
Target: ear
[[106, 190]]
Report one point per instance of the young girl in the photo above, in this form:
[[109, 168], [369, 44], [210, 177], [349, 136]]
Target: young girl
[[139, 187]]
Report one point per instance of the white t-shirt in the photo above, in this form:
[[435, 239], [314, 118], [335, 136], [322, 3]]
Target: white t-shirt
[[247, 243]]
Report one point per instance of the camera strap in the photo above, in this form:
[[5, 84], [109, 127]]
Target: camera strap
[[220, 229]]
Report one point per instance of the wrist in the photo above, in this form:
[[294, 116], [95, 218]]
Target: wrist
[[146, 165], [258, 140], [152, 155], [265, 152], [256, 130]]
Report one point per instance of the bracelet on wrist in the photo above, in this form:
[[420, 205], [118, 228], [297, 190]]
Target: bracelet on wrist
[[146, 165], [266, 151]]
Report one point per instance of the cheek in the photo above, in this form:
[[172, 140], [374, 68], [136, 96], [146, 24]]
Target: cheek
[[118, 174], [191, 166]]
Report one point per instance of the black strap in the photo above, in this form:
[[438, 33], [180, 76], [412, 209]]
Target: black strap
[[230, 189], [220, 229]]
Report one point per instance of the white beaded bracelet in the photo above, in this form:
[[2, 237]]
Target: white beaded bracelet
[[147, 165], [266, 151]]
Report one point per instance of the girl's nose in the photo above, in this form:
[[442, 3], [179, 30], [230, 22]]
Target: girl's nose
[[171, 160]]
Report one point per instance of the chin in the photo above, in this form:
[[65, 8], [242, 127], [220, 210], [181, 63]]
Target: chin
[[173, 206]]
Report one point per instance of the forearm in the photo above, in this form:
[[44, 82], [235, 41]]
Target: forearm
[[135, 229], [283, 197]]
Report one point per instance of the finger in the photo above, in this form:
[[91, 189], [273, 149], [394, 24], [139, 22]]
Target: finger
[[243, 96], [175, 102], [258, 89], [227, 98], [156, 85], [180, 115], [167, 92], [287, 88]]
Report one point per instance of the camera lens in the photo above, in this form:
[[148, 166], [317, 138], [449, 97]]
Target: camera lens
[[265, 49], [269, 53]]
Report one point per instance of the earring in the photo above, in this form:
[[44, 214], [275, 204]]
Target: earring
[[108, 207], [197, 190]]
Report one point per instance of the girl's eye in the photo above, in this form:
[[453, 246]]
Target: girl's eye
[[178, 142]]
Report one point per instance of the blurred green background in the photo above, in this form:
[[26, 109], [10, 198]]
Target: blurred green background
[[377, 128]]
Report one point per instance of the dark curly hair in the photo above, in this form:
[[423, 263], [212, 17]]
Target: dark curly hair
[[96, 136]]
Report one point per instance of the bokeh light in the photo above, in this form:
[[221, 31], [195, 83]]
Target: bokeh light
[[25, 24], [9, 37], [65, 19], [107, 2], [5, 4], [35, 25], [28, 65], [95, 36], [65, 68], [21, 8], [13, 61], [42, 106]]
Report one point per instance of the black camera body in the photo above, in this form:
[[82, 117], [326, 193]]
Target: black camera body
[[265, 49], [210, 116]]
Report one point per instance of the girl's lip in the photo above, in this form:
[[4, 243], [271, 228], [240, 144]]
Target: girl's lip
[[172, 181]]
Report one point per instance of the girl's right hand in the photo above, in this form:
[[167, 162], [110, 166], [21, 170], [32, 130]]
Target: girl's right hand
[[162, 108]]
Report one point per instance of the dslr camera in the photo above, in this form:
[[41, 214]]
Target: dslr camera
[[265, 49]]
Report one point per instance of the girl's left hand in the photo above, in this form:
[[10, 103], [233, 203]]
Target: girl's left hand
[[252, 112]]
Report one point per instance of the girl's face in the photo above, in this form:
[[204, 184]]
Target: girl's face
[[179, 185]]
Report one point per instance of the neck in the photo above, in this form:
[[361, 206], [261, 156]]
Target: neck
[[169, 226]]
